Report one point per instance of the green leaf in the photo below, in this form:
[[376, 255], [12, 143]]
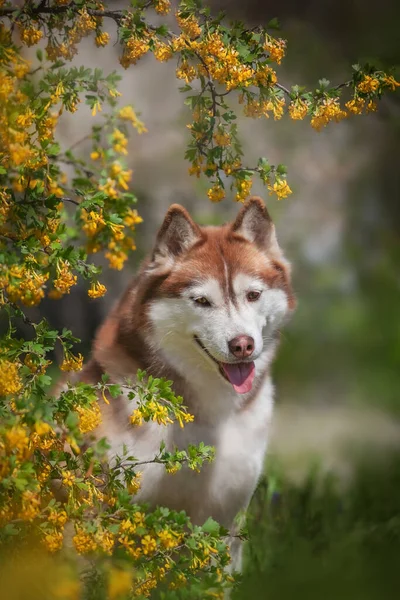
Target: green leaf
[[211, 527]]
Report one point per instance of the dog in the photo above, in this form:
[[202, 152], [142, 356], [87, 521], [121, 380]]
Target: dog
[[204, 311]]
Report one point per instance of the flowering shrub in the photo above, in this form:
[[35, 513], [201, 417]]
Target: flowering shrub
[[56, 493]]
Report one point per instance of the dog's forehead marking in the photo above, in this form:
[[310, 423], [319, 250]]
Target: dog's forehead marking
[[209, 287]]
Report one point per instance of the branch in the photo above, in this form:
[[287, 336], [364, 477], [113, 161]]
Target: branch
[[116, 15], [283, 88]]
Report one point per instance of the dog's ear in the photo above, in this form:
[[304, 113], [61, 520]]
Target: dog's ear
[[177, 234], [255, 224]]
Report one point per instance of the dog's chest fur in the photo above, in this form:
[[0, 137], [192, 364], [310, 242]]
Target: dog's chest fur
[[223, 487]]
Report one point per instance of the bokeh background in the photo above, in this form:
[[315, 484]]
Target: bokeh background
[[335, 531]]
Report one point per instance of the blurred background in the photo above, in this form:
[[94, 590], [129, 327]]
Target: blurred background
[[337, 376]]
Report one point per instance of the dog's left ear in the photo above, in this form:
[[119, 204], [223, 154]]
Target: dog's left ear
[[255, 224], [177, 234]]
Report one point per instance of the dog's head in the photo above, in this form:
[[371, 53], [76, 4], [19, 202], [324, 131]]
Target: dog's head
[[221, 293]]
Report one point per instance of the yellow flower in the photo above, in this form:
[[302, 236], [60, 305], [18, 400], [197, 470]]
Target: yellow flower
[[162, 52], [119, 583], [390, 82], [169, 539], [102, 39], [132, 218], [368, 84], [275, 49], [120, 176], [134, 50], [127, 527], [222, 138], [116, 260], [243, 187], [183, 417], [72, 363], [134, 485], [186, 72], [298, 109], [329, 110], [105, 541], [128, 114], [89, 417], [53, 541], [30, 35], [68, 478], [43, 428], [58, 518], [280, 188], [149, 544], [119, 142], [84, 542], [216, 193], [97, 290], [65, 279], [139, 519], [355, 105], [10, 382], [163, 7], [189, 25], [93, 222], [96, 107], [17, 439], [30, 506], [136, 417]]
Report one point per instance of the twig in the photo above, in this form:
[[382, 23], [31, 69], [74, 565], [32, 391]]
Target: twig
[[56, 10]]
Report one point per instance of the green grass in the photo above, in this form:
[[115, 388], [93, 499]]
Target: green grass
[[324, 540]]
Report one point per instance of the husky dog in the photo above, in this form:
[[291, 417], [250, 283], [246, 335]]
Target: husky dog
[[205, 311]]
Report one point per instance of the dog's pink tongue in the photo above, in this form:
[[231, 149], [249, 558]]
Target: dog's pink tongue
[[241, 376]]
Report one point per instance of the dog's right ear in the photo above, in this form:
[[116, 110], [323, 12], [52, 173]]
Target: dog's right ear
[[177, 234]]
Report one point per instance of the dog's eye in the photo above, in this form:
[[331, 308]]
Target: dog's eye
[[202, 301], [253, 296]]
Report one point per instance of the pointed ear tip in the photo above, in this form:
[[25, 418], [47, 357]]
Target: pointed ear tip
[[256, 200], [177, 209]]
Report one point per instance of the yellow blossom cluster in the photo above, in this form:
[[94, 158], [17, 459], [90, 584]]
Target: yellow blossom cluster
[[97, 290], [135, 483], [298, 109], [280, 188], [135, 48], [10, 381], [26, 285], [261, 107], [243, 187], [162, 52], [329, 110], [275, 49], [89, 417], [102, 39], [162, 7], [189, 26], [216, 193], [84, 542], [65, 278], [72, 363], [126, 113], [368, 84]]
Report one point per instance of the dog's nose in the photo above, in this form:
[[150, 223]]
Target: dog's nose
[[241, 346]]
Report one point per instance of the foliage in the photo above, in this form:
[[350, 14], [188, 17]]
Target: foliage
[[51, 482], [326, 537]]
